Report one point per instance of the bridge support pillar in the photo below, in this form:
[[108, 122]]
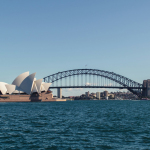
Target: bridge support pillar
[[59, 92], [146, 90]]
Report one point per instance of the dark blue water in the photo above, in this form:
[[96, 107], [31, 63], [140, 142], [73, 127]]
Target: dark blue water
[[75, 125]]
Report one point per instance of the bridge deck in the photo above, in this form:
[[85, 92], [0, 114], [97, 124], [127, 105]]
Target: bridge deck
[[97, 87]]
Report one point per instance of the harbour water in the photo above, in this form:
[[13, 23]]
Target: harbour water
[[75, 125]]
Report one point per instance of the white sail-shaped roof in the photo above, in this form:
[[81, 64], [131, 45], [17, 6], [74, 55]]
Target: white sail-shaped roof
[[20, 78], [3, 88], [16, 92], [46, 85], [10, 88], [38, 85], [34, 88], [24, 83], [42, 88], [27, 83]]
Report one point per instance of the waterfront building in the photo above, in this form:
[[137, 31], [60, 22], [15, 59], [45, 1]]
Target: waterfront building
[[98, 94], [111, 96], [24, 83], [25, 87], [106, 95], [102, 94], [93, 94], [87, 94]]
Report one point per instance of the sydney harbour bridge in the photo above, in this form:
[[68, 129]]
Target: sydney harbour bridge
[[94, 78]]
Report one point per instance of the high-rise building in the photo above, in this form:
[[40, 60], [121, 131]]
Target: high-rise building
[[106, 94], [98, 95]]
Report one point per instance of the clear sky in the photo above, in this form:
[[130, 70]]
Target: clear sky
[[47, 37]]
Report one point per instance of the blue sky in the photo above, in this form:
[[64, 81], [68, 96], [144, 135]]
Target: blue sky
[[52, 36]]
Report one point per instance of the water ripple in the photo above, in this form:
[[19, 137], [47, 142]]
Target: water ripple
[[75, 125]]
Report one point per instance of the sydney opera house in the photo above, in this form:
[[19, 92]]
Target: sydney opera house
[[25, 88]]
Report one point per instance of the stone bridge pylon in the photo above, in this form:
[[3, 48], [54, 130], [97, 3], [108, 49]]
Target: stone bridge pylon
[[146, 89]]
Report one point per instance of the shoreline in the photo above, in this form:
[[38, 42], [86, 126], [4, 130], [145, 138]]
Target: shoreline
[[43, 97]]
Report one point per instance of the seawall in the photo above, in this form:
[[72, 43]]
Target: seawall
[[43, 97]]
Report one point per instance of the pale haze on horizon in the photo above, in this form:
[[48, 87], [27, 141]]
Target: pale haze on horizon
[[47, 37]]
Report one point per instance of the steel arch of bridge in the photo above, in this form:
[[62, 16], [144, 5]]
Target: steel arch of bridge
[[125, 82]]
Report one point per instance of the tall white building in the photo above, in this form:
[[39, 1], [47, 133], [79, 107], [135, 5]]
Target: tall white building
[[98, 95]]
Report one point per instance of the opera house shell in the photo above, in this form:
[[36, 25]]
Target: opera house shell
[[26, 85]]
